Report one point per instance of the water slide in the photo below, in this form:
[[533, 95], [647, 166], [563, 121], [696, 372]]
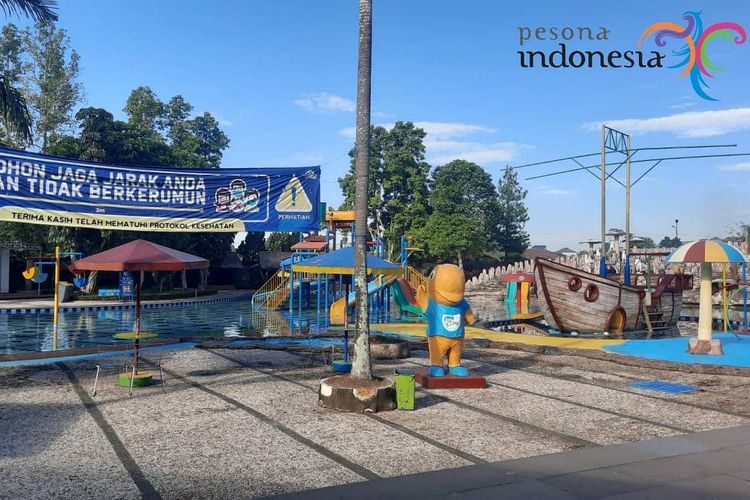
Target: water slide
[[338, 309], [405, 298]]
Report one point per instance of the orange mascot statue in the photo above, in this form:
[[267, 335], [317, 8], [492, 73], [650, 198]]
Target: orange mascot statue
[[443, 303]]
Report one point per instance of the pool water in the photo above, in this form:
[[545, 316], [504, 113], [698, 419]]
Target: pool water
[[28, 333]]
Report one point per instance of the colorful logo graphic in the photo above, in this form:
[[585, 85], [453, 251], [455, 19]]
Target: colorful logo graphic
[[695, 61], [237, 198]]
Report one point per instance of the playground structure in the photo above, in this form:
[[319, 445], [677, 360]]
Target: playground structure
[[318, 275], [517, 295]]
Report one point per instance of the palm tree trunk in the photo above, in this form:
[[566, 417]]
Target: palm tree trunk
[[361, 364]]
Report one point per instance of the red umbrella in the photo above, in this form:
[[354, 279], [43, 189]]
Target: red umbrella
[[139, 255]]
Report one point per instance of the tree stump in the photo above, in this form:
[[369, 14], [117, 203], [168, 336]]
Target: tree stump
[[341, 392], [386, 347]]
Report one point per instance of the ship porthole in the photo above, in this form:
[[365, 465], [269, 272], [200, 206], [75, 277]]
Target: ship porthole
[[591, 293], [574, 283], [616, 320]]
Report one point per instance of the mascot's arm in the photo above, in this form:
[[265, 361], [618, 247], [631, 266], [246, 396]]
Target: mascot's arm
[[423, 298], [469, 315]]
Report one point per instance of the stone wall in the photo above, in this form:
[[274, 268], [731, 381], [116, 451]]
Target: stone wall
[[491, 278]]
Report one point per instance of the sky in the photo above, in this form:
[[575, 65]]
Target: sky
[[280, 76]]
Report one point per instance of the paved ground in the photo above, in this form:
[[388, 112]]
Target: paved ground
[[711, 464], [244, 423]]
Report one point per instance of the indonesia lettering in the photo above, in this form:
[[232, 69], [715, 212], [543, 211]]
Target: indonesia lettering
[[564, 57]]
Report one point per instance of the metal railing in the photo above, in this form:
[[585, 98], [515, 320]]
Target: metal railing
[[268, 294], [414, 278]]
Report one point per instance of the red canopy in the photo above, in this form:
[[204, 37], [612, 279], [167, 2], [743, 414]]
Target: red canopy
[[140, 255], [517, 277]]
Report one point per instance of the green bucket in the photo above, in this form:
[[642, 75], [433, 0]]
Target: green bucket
[[405, 389]]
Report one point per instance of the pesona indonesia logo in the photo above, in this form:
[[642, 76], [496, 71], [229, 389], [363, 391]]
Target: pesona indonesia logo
[[694, 53]]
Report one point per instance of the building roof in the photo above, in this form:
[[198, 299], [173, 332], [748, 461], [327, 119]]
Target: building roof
[[342, 262], [566, 250], [539, 251], [315, 246]]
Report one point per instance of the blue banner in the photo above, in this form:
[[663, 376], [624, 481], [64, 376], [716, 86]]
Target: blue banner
[[40, 189]]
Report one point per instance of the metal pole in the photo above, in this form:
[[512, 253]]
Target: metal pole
[[626, 266], [603, 260], [56, 307]]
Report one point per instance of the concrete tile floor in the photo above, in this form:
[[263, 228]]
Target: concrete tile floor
[[245, 423]]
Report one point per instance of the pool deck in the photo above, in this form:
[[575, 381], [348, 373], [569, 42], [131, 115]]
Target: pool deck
[[418, 330], [245, 423], [673, 350], [44, 305]]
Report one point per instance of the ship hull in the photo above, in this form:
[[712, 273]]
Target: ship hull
[[611, 307]]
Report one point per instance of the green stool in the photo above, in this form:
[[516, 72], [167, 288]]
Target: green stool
[[405, 389]]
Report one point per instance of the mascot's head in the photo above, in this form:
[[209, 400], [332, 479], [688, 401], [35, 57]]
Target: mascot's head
[[446, 284]]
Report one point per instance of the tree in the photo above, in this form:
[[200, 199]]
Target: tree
[[281, 242], [509, 234], [145, 111], [38, 10], [647, 243], [463, 202], [452, 236], [199, 142], [361, 364], [52, 86], [668, 242], [250, 248], [740, 231], [397, 197], [11, 69], [13, 108]]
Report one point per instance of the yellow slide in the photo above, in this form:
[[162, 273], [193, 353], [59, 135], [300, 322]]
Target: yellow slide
[[338, 310]]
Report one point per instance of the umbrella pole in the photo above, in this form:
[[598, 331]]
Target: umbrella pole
[[346, 322], [705, 319], [137, 321]]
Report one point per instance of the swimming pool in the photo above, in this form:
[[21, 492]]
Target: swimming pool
[[32, 333]]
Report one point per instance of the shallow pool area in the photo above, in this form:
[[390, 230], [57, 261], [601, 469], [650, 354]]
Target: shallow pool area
[[31, 333]]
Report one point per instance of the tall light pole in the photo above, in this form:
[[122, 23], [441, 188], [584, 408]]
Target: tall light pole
[[676, 235]]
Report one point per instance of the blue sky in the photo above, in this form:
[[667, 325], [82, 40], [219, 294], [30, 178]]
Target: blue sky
[[280, 76]]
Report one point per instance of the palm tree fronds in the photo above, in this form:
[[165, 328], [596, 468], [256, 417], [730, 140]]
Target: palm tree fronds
[[38, 10], [13, 110]]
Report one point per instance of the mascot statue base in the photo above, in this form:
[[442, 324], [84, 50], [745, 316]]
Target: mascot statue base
[[446, 310]]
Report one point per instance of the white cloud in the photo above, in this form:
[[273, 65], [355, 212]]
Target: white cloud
[[736, 167], [472, 151], [443, 146], [682, 105], [348, 132], [446, 130], [692, 124], [553, 191], [323, 102], [222, 121]]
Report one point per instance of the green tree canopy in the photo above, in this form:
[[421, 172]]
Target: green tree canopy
[[668, 242], [52, 86], [281, 242], [250, 248], [462, 193], [397, 186], [509, 232], [647, 243]]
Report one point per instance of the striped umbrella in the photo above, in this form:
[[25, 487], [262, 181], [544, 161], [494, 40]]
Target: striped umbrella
[[706, 252], [714, 251]]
